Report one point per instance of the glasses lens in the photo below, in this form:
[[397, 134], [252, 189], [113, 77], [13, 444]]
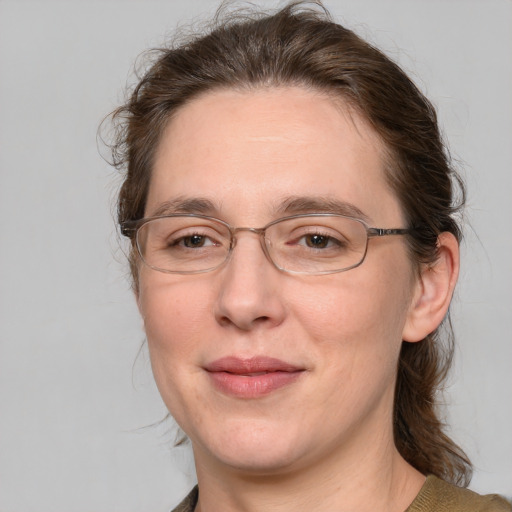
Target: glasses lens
[[317, 244], [183, 244]]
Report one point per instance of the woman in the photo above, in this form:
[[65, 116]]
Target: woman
[[292, 212]]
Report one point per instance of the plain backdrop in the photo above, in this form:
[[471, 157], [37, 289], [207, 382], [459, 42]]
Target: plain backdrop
[[79, 413]]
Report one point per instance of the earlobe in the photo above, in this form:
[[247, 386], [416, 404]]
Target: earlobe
[[434, 290]]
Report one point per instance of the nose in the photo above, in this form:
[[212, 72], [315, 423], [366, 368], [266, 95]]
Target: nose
[[250, 288]]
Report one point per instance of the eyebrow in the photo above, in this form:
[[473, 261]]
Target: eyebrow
[[181, 204], [320, 204], [293, 205]]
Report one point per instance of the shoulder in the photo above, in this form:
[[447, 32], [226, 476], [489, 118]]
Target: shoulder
[[189, 503], [436, 495], [440, 496]]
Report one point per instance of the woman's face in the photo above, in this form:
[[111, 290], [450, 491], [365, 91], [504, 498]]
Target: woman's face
[[329, 343]]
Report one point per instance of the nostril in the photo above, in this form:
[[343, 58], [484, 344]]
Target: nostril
[[261, 319], [226, 321]]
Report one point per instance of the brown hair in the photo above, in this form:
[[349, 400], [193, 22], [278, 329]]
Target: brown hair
[[301, 45]]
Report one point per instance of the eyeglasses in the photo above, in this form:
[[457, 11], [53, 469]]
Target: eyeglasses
[[316, 243]]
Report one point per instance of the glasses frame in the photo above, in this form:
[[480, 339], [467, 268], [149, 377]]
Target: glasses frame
[[130, 229]]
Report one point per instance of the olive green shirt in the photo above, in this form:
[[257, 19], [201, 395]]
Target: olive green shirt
[[435, 496]]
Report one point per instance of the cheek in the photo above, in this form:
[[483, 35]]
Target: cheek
[[356, 319], [172, 308], [175, 314], [350, 309]]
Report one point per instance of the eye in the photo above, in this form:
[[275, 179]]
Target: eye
[[318, 241], [197, 240], [194, 241], [175, 235], [316, 238]]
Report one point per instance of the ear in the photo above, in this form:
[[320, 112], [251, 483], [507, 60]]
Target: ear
[[433, 290]]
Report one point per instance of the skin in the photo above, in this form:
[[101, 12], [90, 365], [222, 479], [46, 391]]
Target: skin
[[324, 442]]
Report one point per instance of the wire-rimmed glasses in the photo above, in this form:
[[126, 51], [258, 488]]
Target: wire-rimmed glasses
[[315, 243]]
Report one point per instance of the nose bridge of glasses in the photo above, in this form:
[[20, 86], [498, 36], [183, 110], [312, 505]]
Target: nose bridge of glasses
[[234, 232], [260, 232], [257, 231]]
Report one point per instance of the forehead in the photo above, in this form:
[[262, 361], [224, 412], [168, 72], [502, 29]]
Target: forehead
[[253, 150]]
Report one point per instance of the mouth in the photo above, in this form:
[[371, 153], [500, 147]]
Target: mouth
[[251, 378]]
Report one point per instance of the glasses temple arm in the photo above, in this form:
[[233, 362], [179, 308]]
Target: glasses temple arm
[[384, 232]]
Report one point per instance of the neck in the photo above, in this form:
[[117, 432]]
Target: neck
[[370, 476]]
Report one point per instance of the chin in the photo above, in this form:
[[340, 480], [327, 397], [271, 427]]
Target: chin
[[260, 462], [255, 447]]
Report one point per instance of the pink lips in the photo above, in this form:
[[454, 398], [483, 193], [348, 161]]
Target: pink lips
[[251, 378]]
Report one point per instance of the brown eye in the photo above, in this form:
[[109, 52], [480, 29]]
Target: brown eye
[[317, 241], [194, 241]]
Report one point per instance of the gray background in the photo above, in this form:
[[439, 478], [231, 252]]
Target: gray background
[[76, 403]]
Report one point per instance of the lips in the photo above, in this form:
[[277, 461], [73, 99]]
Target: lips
[[251, 378]]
